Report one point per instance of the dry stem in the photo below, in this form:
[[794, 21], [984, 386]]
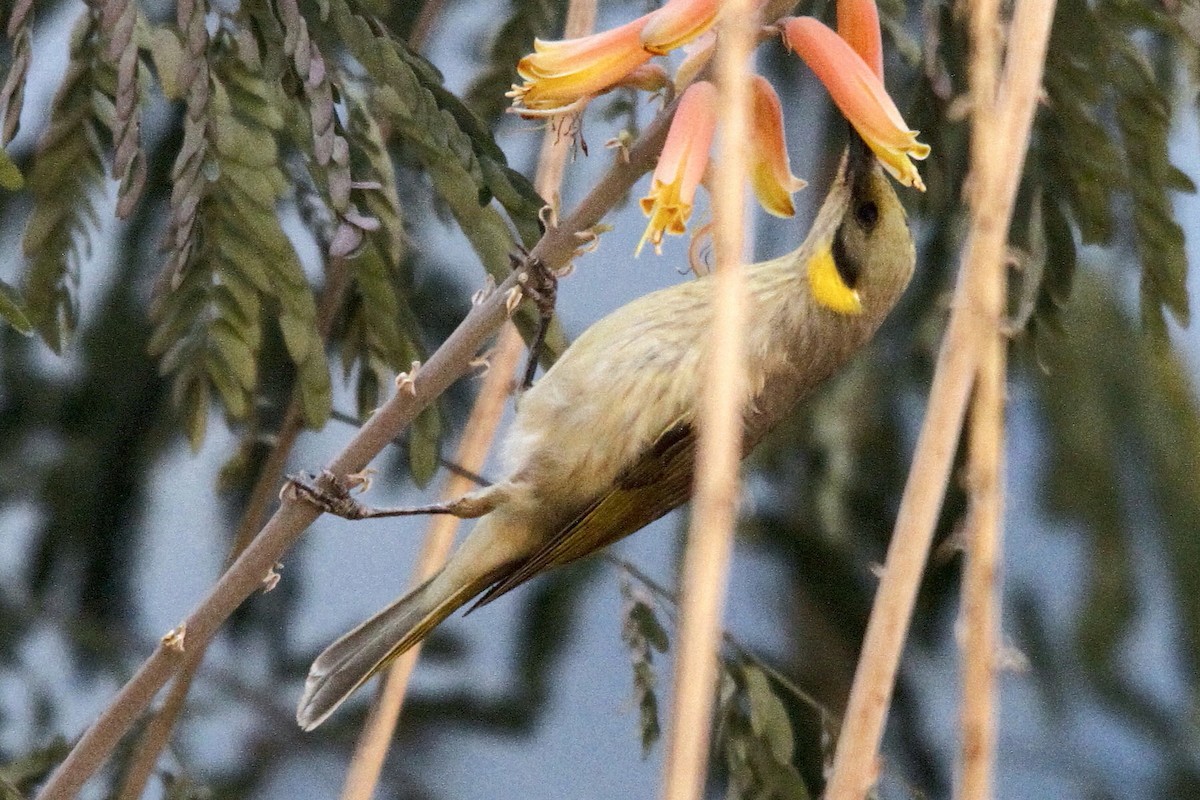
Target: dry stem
[[979, 622], [971, 324], [980, 614], [710, 536]]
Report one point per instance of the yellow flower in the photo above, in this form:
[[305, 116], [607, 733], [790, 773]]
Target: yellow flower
[[677, 23], [562, 75], [681, 165], [857, 89], [770, 171]]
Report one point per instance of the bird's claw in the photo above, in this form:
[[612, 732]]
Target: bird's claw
[[327, 493], [539, 283]]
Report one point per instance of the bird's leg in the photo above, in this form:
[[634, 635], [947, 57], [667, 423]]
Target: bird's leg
[[333, 496], [540, 284]]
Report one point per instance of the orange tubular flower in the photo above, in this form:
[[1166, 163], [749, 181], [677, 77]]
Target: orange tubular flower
[[560, 75], [858, 24], [677, 23], [770, 171], [681, 165], [857, 90]]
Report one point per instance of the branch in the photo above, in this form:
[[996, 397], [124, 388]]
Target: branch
[[450, 362], [855, 767], [161, 725], [719, 446]]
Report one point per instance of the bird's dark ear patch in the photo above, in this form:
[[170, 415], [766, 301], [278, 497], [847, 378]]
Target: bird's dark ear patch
[[867, 214], [848, 268]]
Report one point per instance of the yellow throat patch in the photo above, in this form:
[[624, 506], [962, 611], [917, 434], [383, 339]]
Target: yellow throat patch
[[827, 285]]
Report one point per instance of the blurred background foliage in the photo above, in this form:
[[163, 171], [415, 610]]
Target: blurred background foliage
[[271, 164]]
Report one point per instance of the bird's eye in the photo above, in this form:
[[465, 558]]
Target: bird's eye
[[867, 214]]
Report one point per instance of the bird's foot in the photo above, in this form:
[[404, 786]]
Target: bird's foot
[[540, 284], [333, 496], [328, 492]]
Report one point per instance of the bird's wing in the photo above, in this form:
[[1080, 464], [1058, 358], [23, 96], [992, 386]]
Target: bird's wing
[[655, 483]]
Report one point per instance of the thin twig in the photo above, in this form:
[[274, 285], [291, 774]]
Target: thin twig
[[718, 450], [855, 763], [743, 650], [450, 362]]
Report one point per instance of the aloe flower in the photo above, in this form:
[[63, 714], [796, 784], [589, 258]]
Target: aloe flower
[[677, 23], [856, 86], [681, 165], [561, 76], [686, 154], [770, 171]]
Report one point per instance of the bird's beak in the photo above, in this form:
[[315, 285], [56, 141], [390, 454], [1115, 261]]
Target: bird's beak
[[860, 160]]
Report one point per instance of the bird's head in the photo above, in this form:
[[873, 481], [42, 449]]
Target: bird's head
[[862, 254]]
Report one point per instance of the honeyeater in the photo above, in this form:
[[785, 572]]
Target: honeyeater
[[604, 443]]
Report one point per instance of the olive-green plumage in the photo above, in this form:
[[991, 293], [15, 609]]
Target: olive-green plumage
[[603, 444]]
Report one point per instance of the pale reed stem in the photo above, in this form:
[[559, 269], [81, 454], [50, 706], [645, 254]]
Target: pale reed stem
[[718, 452], [855, 764], [979, 620]]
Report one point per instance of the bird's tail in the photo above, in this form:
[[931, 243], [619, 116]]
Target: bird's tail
[[350, 661]]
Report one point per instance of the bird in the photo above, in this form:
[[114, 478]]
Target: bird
[[604, 443]]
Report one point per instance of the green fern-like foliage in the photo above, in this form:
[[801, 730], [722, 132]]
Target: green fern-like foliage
[[380, 333], [644, 635], [356, 210], [1103, 138], [263, 88], [756, 738], [380, 330], [442, 133], [231, 266], [453, 146], [12, 93], [67, 175]]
